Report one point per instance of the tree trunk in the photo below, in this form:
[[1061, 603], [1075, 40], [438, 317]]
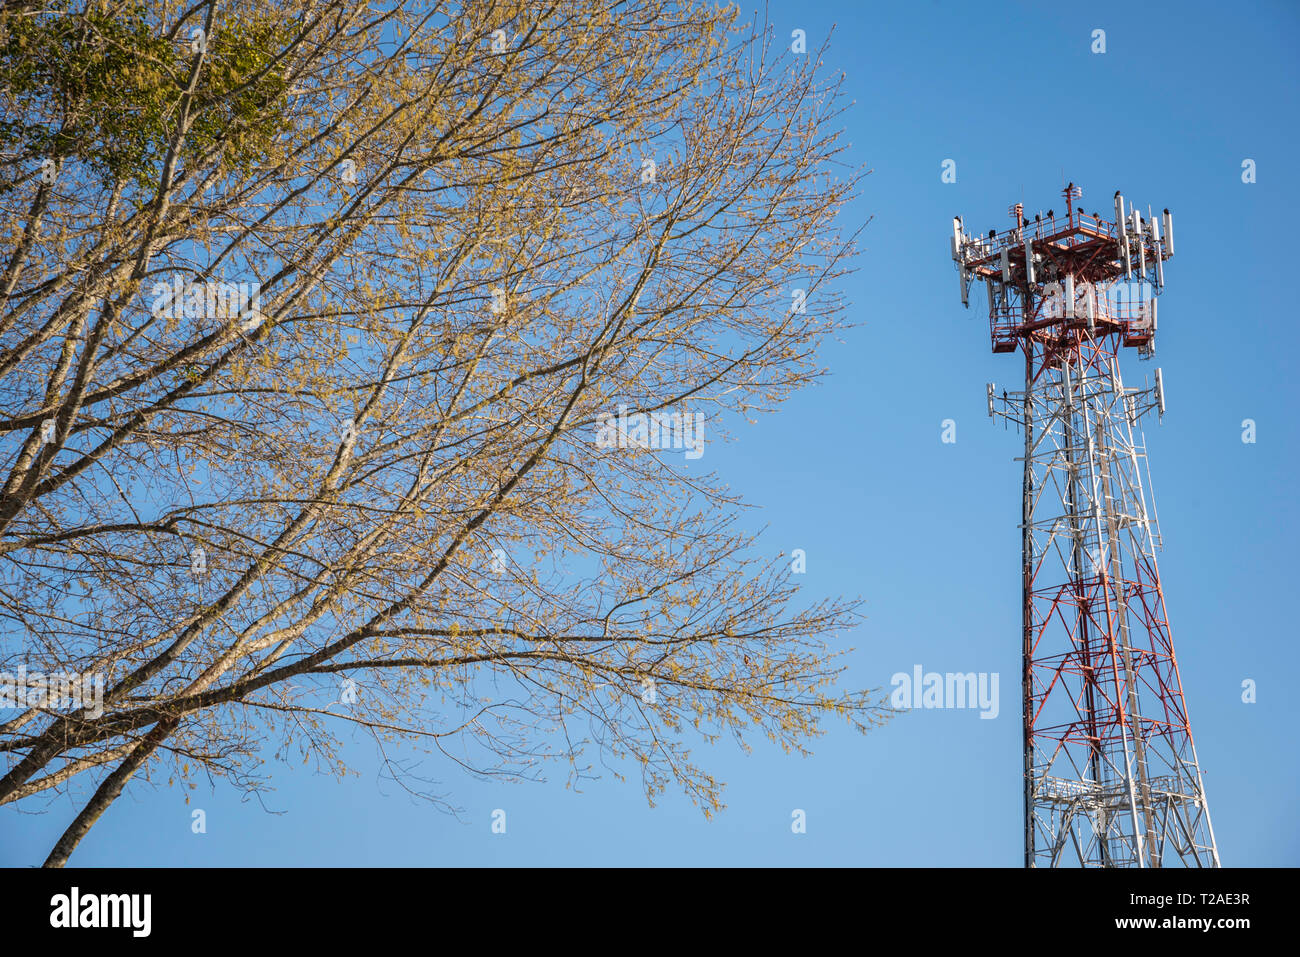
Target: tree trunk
[[107, 793]]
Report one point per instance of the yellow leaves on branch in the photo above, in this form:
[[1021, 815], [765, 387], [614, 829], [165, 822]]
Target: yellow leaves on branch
[[533, 197]]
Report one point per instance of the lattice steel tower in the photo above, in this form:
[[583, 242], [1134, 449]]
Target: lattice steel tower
[[1110, 771]]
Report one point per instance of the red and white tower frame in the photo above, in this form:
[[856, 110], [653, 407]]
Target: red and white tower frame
[[1111, 775]]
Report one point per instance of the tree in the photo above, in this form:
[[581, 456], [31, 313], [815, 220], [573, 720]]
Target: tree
[[315, 314]]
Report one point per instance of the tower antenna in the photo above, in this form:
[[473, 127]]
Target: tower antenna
[[1111, 777]]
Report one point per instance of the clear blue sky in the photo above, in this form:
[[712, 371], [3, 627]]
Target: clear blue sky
[[854, 472]]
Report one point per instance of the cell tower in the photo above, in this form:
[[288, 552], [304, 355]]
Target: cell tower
[[1111, 776]]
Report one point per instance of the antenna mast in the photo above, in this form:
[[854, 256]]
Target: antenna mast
[[1111, 777]]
